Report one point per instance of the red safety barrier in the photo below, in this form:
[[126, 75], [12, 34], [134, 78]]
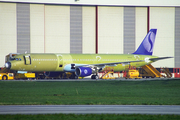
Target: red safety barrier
[[176, 72]]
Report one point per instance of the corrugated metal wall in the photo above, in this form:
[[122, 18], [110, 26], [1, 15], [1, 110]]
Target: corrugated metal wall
[[129, 30], [23, 27], [75, 29], [177, 37]]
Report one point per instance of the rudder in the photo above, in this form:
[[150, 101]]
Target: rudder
[[147, 45]]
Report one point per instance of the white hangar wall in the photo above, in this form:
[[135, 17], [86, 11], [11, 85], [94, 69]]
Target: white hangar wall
[[48, 28], [57, 19], [8, 31], [89, 29], [110, 29], [37, 28], [163, 18]]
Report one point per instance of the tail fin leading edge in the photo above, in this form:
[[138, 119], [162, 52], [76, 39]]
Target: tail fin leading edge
[[147, 45]]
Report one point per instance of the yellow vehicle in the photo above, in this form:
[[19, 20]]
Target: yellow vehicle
[[133, 74], [12, 76], [6, 76], [24, 76]]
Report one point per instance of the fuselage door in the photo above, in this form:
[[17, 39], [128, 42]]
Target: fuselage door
[[60, 61], [27, 59]]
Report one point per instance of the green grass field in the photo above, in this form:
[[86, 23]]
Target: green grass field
[[165, 92], [89, 117]]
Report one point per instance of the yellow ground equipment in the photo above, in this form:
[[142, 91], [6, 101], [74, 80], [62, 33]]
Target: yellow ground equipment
[[24, 76], [108, 73], [167, 72], [149, 71], [12, 76], [6, 76], [132, 74], [4, 70]]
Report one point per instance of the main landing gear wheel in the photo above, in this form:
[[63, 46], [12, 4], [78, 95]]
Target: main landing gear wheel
[[73, 76], [95, 77]]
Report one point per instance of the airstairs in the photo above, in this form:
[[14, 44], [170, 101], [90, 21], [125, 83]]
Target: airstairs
[[167, 72], [150, 71]]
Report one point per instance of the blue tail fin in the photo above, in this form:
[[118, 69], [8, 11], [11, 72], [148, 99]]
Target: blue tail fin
[[147, 45]]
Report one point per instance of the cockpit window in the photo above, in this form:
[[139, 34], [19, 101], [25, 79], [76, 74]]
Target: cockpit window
[[15, 59], [12, 58]]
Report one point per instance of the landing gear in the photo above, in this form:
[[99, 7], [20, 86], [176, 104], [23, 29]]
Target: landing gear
[[95, 77], [96, 74], [73, 76]]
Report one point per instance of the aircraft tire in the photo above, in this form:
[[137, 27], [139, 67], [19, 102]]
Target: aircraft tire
[[96, 77], [75, 77], [93, 77]]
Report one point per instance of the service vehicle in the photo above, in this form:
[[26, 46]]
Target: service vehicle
[[6, 76]]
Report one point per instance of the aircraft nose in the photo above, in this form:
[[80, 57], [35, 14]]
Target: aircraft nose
[[8, 65]]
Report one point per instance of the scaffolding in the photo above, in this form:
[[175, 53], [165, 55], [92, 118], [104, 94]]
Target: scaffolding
[[167, 72], [108, 73]]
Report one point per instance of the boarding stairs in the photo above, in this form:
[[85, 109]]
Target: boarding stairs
[[150, 71], [167, 72]]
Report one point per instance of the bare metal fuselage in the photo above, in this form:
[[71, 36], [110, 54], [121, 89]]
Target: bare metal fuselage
[[61, 62]]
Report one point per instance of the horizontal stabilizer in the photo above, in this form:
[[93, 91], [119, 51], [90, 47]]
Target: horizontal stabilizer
[[160, 58]]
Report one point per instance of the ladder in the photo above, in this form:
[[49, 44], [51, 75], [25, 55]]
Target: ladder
[[167, 72], [151, 71]]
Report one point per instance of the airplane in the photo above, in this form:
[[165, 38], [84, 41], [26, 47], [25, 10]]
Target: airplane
[[82, 65]]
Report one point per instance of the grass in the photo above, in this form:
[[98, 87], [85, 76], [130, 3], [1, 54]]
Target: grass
[[165, 92], [90, 92], [89, 117]]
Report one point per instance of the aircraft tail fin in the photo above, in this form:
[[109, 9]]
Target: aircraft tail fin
[[147, 45]]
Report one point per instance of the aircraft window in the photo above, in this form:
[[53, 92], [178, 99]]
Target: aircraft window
[[60, 65], [12, 58], [20, 59], [17, 59]]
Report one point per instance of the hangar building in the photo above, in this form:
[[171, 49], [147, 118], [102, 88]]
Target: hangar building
[[89, 26]]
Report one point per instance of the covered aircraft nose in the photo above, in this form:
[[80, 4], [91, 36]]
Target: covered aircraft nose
[[8, 65]]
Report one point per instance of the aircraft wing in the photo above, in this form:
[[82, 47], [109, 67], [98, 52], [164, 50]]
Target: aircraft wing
[[115, 63], [101, 65]]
